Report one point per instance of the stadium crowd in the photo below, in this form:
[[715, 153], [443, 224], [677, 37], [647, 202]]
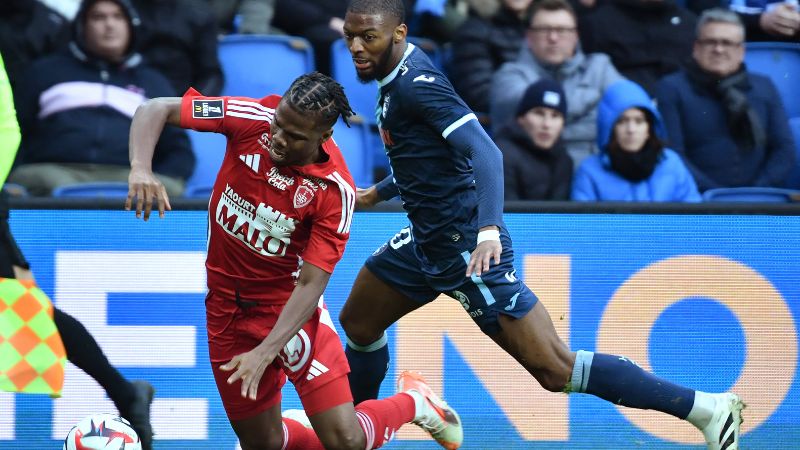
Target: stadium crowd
[[651, 100]]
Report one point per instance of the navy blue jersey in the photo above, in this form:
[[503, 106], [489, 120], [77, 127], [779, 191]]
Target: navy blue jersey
[[417, 110]]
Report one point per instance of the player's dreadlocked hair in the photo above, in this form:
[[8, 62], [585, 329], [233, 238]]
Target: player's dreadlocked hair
[[390, 8], [321, 96]]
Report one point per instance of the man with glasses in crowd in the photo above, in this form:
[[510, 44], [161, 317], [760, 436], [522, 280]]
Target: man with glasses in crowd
[[729, 124], [553, 52]]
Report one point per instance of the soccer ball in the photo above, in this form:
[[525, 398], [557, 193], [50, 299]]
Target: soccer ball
[[102, 432]]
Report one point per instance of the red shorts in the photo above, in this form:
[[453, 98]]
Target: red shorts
[[313, 360]]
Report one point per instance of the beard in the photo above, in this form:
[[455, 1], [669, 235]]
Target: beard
[[379, 67]]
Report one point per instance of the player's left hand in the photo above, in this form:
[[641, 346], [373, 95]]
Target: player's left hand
[[249, 368], [481, 258]]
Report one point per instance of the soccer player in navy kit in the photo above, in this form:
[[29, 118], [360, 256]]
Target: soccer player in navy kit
[[448, 173]]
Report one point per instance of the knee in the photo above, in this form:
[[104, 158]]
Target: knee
[[269, 441], [358, 331], [556, 374], [343, 440], [553, 381]]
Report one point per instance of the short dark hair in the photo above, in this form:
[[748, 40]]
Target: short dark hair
[[320, 96], [392, 8], [549, 5]]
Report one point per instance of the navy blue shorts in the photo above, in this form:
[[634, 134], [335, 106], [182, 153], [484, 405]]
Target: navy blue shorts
[[399, 264]]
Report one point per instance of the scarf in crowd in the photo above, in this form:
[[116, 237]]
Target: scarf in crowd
[[743, 122], [635, 166]]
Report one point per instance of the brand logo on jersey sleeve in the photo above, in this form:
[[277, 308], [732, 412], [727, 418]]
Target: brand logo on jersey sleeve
[[207, 109], [424, 78], [303, 196], [262, 228]]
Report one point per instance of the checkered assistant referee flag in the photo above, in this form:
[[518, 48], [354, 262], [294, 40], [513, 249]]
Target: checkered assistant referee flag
[[32, 356]]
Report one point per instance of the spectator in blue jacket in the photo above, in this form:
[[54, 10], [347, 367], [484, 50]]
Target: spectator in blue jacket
[[633, 165], [728, 124], [75, 108]]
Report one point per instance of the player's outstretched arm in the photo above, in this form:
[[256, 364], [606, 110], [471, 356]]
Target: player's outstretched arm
[[366, 198], [371, 196], [487, 162], [249, 367], [148, 123]]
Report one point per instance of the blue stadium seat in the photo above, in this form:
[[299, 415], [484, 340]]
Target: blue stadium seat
[[356, 146], [751, 194], [209, 150], [260, 65], [431, 48], [16, 190], [362, 97], [780, 61], [110, 189], [793, 180]]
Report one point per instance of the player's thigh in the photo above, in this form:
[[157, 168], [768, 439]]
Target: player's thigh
[[315, 362], [390, 285], [263, 431], [231, 331], [338, 427], [533, 341]]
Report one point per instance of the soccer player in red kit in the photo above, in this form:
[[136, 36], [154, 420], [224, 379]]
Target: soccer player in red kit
[[279, 217]]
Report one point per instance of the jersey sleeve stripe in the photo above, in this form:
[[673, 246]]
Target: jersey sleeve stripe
[[454, 126], [249, 109], [249, 116], [258, 106], [351, 200], [348, 202]]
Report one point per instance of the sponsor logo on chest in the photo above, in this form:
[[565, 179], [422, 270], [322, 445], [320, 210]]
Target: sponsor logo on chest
[[262, 228], [278, 180]]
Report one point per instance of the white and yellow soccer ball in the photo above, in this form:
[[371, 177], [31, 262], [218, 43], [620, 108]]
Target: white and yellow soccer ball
[[102, 432]]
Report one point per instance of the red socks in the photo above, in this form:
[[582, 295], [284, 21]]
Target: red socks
[[379, 419], [297, 437]]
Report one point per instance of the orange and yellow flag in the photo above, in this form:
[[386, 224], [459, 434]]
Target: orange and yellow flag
[[32, 356]]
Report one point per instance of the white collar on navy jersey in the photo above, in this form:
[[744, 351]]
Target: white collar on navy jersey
[[409, 48]]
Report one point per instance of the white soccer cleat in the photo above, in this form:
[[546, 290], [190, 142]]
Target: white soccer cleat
[[432, 413], [722, 432], [298, 415]]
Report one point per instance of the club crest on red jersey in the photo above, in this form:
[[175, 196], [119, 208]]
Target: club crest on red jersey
[[303, 196]]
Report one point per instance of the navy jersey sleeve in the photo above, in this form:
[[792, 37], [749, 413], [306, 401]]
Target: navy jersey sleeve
[[439, 106], [435, 102]]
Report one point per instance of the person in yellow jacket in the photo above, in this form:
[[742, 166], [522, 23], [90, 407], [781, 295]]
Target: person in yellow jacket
[[132, 399]]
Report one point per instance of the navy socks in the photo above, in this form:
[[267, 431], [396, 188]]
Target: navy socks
[[368, 366], [621, 381]]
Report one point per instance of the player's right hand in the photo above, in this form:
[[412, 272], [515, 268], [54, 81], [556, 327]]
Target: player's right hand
[[366, 198], [144, 186]]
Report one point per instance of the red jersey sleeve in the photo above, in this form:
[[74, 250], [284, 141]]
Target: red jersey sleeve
[[331, 225], [231, 116]]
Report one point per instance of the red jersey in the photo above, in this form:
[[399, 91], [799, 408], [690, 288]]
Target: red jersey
[[266, 220]]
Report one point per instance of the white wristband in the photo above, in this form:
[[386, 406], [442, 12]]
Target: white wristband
[[488, 235]]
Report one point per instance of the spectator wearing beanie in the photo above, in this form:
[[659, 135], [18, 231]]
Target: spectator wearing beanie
[[535, 162]]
